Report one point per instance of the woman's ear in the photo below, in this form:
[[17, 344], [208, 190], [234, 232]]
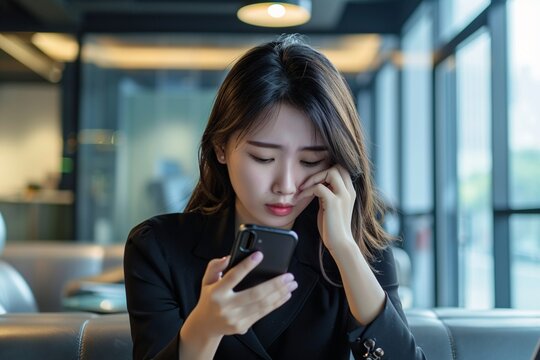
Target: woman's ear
[[220, 153]]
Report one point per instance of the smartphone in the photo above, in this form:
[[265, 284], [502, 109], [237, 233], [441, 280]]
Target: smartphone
[[277, 246]]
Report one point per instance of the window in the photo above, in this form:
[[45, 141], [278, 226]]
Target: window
[[386, 140], [524, 152], [475, 217], [524, 92], [417, 154], [525, 260], [456, 14]]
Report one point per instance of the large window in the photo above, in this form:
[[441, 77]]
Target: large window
[[417, 154], [475, 253], [524, 92], [456, 14], [386, 129], [524, 151]]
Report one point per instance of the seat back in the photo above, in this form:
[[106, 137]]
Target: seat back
[[48, 266], [42, 336], [15, 294], [457, 335]]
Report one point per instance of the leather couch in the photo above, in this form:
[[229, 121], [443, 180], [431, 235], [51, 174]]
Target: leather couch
[[453, 334], [49, 266]]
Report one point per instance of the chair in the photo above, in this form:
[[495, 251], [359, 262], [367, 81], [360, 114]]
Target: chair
[[15, 294]]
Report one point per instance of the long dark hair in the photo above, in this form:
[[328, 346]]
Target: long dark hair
[[288, 70]]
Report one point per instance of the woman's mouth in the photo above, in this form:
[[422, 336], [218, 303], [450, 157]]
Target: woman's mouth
[[279, 209]]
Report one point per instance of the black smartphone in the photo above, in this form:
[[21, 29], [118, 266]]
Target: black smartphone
[[277, 246]]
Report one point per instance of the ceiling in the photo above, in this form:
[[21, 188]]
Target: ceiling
[[217, 17]]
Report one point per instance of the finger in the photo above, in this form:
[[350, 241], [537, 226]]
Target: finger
[[266, 291], [238, 272], [336, 181], [214, 270], [268, 299], [318, 190], [317, 178], [347, 180], [330, 176], [258, 311]]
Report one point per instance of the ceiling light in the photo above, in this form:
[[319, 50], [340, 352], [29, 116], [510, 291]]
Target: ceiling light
[[276, 13], [31, 58], [61, 47]]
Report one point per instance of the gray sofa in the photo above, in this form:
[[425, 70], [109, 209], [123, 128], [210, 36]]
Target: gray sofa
[[449, 333], [453, 334], [49, 266]]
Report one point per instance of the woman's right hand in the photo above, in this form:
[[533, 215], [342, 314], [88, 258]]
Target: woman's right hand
[[223, 311]]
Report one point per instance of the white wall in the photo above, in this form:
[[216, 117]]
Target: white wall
[[30, 135]]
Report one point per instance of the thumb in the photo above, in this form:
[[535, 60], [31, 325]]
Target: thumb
[[214, 270]]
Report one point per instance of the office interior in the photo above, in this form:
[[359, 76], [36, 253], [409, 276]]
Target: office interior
[[102, 105]]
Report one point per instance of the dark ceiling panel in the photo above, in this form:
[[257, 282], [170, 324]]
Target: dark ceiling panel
[[371, 17], [205, 16]]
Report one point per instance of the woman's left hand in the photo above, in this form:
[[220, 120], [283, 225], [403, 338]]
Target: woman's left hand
[[336, 194]]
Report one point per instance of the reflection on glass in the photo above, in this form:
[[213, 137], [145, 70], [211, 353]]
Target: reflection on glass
[[524, 92], [456, 14], [525, 261], [475, 255]]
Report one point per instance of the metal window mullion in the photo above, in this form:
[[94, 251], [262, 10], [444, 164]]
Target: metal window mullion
[[500, 170]]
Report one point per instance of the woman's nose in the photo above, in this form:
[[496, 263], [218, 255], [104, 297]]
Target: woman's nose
[[285, 182]]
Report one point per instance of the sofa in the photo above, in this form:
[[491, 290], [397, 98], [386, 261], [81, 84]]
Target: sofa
[[52, 269], [446, 333], [48, 267]]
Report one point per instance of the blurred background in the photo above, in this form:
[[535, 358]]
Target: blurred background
[[103, 103]]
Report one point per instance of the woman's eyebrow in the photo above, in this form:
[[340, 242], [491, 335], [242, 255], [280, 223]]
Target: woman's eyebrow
[[276, 146]]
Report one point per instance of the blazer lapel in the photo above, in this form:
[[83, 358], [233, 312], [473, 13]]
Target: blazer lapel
[[303, 266], [216, 241], [272, 325], [251, 340]]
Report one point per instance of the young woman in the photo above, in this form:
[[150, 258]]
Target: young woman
[[283, 148]]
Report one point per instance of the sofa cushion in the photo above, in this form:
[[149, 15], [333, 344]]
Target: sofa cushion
[[15, 294], [42, 336], [460, 335]]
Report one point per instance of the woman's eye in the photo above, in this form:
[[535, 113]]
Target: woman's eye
[[311, 163], [261, 160]]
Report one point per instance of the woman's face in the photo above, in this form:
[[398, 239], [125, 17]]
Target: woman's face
[[267, 166]]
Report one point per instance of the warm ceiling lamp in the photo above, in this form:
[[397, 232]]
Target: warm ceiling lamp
[[276, 13]]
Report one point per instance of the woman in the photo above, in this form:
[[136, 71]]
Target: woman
[[283, 147]]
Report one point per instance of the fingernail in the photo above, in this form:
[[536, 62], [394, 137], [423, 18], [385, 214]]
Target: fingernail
[[292, 286], [256, 256], [287, 278]]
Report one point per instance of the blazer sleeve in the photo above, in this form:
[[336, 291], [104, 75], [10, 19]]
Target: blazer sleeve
[[389, 332], [153, 310]]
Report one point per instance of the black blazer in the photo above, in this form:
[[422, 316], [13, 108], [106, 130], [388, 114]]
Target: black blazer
[[164, 262]]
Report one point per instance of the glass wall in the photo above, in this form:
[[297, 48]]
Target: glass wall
[[524, 150], [386, 129], [475, 253], [139, 137], [417, 153], [454, 15], [523, 95]]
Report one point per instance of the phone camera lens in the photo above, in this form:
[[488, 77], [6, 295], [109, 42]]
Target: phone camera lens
[[248, 241]]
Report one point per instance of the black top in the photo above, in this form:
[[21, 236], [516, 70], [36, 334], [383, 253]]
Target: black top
[[164, 262]]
